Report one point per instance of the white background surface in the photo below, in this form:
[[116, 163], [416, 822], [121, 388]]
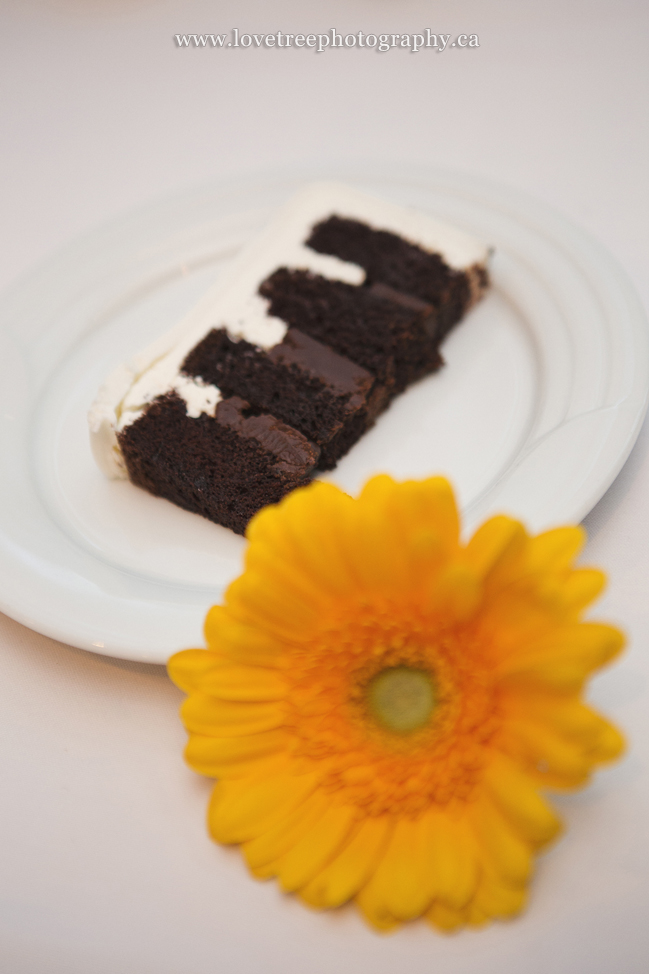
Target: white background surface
[[105, 864]]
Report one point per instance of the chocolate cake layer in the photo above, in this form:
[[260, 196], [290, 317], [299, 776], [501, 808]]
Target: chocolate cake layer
[[224, 467], [390, 259], [325, 396], [392, 335]]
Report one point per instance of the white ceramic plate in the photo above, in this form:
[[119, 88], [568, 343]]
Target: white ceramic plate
[[541, 400]]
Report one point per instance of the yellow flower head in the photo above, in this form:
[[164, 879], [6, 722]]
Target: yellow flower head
[[382, 704]]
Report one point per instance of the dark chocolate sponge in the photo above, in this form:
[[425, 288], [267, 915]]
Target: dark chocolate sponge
[[224, 467]]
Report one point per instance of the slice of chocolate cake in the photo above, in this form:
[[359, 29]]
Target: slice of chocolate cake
[[224, 466], [336, 308]]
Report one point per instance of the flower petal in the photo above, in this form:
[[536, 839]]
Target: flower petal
[[570, 718], [580, 588], [495, 900], [455, 594], [188, 668], [430, 502], [555, 550], [549, 753], [404, 531], [262, 602], [564, 657], [519, 801], [496, 539], [610, 743], [445, 918], [316, 849], [244, 683], [403, 881], [232, 756], [241, 643], [206, 715], [509, 857], [372, 906], [380, 560], [296, 586], [308, 530], [454, 859], [351, 868], [242, 809], [264, 853]]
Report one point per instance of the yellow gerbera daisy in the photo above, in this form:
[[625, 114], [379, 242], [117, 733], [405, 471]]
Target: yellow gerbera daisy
[[382, 704]]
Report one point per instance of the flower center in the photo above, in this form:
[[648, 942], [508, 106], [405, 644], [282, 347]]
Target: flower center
[[401, 699]]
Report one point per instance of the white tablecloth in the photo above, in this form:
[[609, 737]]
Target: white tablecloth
[[105, 862]]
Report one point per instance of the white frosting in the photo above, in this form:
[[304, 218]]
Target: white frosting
[[198, 395], [233, 303], [249, 319], [103, 419], [303, 258]]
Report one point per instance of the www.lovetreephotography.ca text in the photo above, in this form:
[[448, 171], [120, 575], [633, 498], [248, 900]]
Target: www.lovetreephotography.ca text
[[382, 43]]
